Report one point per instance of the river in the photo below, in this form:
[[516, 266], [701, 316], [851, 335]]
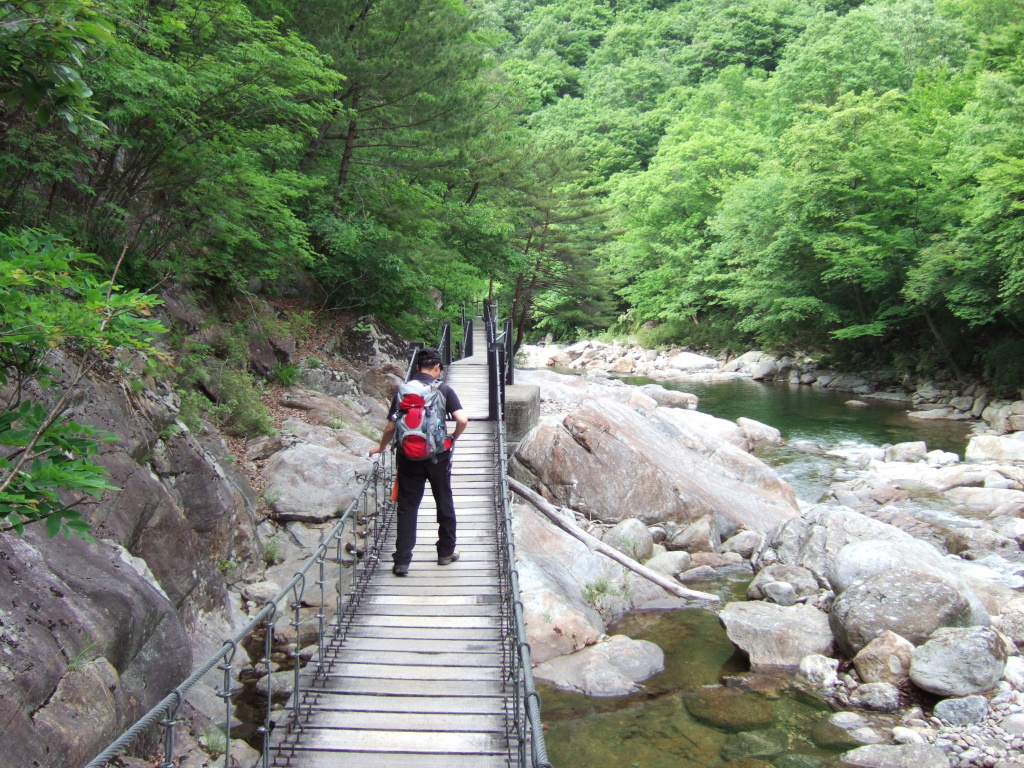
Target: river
[[751, 721]]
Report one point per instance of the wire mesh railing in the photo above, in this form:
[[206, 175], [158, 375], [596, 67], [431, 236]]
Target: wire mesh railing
[[525, 729]]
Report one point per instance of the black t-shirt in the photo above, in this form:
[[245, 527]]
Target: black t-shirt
[[451, 400]]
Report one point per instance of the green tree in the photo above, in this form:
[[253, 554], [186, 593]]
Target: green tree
[[49, 299]]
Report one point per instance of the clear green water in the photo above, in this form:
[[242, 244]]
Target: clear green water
[[805, 413], [657, 729]]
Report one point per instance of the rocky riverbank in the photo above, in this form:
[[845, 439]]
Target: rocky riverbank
[[926, 399], [908, 628]]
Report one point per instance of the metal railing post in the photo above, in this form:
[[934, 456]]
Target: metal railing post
[[509, 366], [446, 343], [493, 376], [467, 343]]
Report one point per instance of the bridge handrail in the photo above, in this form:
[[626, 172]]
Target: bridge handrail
[[527, 698], [265, 616]]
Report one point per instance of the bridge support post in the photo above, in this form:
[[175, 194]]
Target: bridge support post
[[495, 381], [446, 343]]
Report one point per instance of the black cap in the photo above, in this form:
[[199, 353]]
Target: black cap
[[428, 358]]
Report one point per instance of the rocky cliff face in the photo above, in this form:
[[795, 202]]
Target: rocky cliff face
[[92, 635], [87, 645]]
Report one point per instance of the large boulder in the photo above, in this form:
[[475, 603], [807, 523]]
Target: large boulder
[[690, 362], [699, 536], [314, 483], [959, 662], [865, 559], [87, 645], [777, 637], [757, 432], [813, 539], [558, 620], [611, 668], [994, 448], [632, 538], [816, 538], [612, 462], [913, 604]]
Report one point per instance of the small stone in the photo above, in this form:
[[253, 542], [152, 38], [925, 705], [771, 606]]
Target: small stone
[[780, 592], [880, 697], [902, 735]]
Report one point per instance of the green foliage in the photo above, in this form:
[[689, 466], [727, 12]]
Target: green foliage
[[48, 298], [287, 374], [42, 45]]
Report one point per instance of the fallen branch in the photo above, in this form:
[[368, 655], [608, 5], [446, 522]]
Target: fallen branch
[[597, 545]]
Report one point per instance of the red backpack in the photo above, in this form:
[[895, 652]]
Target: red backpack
[[420, 430]]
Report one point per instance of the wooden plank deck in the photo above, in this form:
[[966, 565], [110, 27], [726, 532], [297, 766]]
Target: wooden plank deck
[[417, 680]]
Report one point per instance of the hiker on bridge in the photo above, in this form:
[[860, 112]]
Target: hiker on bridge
[[417, 423]]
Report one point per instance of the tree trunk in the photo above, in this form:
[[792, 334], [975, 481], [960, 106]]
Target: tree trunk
[[942, 344], [346, 155]]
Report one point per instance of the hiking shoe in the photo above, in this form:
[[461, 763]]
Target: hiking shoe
[[400, 569], [448, 559]]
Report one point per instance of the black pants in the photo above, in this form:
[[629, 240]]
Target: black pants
[[412, 478]]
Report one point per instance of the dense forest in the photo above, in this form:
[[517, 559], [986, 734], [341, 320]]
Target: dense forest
[[822, 176]]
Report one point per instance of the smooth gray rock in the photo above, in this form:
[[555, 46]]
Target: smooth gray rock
[[913, 604], [818, 672], [670, 398], [611, 461], [670, 563], [844, 730], [959, 662], [962, 711], [757, 432], [800, 579], [744, 543], [812, 540], [879, 697], [774, 636], [631, 538], [279, 684], [1013, 724], [610, 668], [898, 756], [700, 573], [700, 536], [971, 543], [860, 560], [994, 448], [781, 592], [313, 483], [913, 451]]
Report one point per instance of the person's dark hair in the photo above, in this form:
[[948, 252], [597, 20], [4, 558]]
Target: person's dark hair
[[427, 358]]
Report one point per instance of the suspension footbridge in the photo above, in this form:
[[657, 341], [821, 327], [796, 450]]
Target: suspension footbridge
[[432, 669]]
